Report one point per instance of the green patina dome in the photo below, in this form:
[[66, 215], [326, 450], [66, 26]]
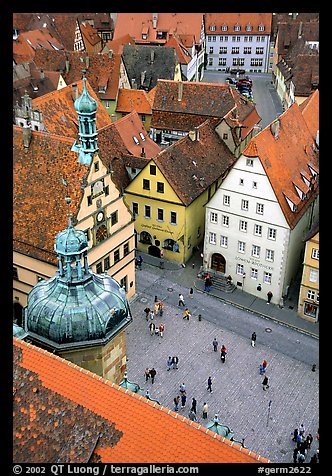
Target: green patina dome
[[85, 104], [71, 241]]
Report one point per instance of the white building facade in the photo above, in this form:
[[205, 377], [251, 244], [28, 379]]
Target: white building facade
[[238, 41]]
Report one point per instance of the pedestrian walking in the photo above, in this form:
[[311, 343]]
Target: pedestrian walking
[[156, 330], [140, 262], [264, 364], [169, 363], [147, 374], [182, 388], [156, 309], [295, 433], [215, 344], [176, 403], [161, 329], [152, 327], [153, 374], [183, 400], [302, 429], [298, 440], [223, 355], [265, 383], [151, 316], [209, 383], [186, 314], [175, 361], [147, 312], [194, 405], [208, 284], [300, 457], [261, 370], [253, 339], [205, 410], [181, 300], [192, 416], [161, 308], [269, 297], [191, 293], [309, 440], [295, 455]]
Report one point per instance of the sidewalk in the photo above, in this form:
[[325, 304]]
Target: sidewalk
[[287, 315]]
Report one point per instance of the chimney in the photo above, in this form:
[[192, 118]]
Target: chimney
[[299, 35], [67, 66], [152, 56], [194, 134], [154, 20], [42, 75], [180, 91], [74, 91], [26, 136], [110, 54], [274, 127], [87, 62], [142, 77], [143, 152], [113, 117]]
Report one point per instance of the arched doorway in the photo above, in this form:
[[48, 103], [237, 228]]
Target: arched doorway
[[218, 263], [154, 251]]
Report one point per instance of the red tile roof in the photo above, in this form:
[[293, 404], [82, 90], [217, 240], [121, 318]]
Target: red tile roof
[[133, 99], [63, 413], [181, 50], [27, 43], [117, 45], [285, 159], [241, 19], [136, 23], [90, 37], [310, 112]]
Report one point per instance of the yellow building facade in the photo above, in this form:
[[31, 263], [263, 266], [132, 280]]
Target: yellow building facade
[[308, 305]]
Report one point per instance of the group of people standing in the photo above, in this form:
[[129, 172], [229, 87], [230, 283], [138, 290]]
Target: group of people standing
[[150, 314], [182, 396], [303, 444]]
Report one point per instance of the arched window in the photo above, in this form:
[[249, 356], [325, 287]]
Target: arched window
[[145, 238], [171, 245]]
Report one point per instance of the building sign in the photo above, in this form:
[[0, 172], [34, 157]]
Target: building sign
[[254, 262]]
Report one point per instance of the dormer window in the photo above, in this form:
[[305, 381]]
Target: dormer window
[[142, 136], [291, 205], [224, 27], [300, 193], [237, 28], [261, 27], [212, 27], [249, 28], [136, 140]]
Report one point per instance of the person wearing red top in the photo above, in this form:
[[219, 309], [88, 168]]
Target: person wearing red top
[[161, 329]]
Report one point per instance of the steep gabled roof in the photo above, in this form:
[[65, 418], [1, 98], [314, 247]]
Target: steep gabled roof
[[74, 416], [190, 167], [181, 50], [133, 99], [310, 112], [287, 156], [27, 43], [117, 45], [240, 19]]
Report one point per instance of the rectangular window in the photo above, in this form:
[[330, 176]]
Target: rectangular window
[[269, 255], [311, 294], [254, 185], [241, 246], [315, 253], [153, 170], [99, 268], [254, 273], [116, 256], [107, 263], [255, 251], [240, 269], [135, 208], [146, 184], [126, 249], [225, 220], [267, 277], [271, 233], [212, 238], [227, 200], [211, 50], [124, 283], [107, 190], [96, 166], [258, 230], [260, 208], [87, 234], [243, 225], [245, 205], [173, 218], [89, 198], [147, 211], [249, 162], [241, 182], [224, 241], [313, 275], [213, 217], [114, 218], [160, 214], [160, 187]]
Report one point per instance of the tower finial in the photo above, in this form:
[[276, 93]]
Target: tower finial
[[68, 201]]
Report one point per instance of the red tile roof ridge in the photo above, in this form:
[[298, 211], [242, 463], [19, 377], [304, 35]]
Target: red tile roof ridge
[[69, 140], [200, 83]]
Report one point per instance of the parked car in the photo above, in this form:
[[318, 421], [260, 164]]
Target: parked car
[[232, 81], [246, 81]]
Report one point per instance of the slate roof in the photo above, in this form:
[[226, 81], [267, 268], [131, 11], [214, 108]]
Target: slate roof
[[135, 23], [133, 99], [191, 167], [101, 70], [199, 102], [286, 159], [80, 417], [240, 19], [38, 193], [137, 60]]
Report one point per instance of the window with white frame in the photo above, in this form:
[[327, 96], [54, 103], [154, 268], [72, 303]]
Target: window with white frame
[[267, 277], [254, 273], [260, 208], [224, 28], [255, 251], [249, 162], [269, 255], [211, 50], [212, 238], [173, 218], [272, 233], [160, 214], [241, 246], [237, 28], [311, 294], [212, 27], [245, 205], [315, 253], [243, 225], [227, 200], [210, 61], [213, 217], [225, 220], [147, 211], [258, 229], [240, 269], [313, 275], [223, 241], [261, 27]]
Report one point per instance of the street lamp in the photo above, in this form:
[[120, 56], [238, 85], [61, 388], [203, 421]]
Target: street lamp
[[243, 276]]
